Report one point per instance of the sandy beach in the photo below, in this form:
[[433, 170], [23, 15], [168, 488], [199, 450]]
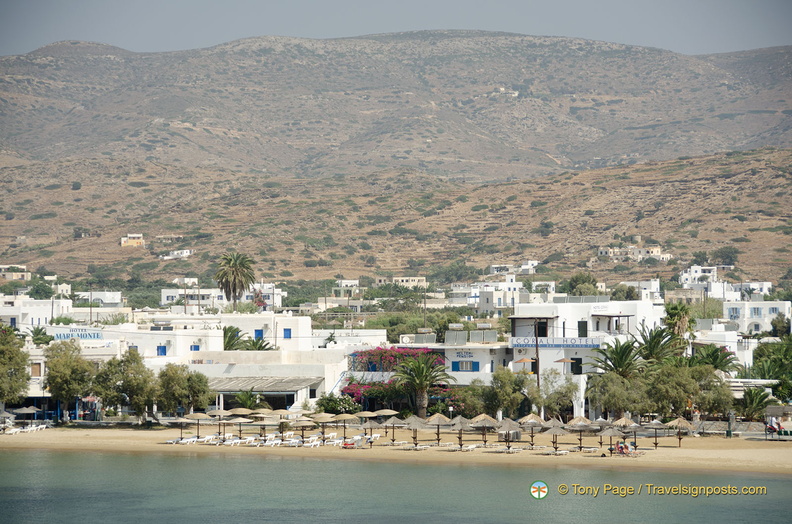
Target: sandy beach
[[700, 454]]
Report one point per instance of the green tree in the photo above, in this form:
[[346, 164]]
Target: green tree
[[726, 255], [581, 284], [14, 366], [616, 394], [329, 403], [719, 358], [235, 275], [127, 381], [253, 344], [623, 292], [670, 389], [780, 325], [39, 336], [40, 290], [620, 357], [557, 392], [655, 345], [69, 374], [700, 258], [753, 404], [232, 339], [250, 400], [417, 374], [178, 386], [507, 391], [678, 320], [714, 395]]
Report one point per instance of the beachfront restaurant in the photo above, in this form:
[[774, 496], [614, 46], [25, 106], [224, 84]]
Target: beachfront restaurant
[[278, 392]]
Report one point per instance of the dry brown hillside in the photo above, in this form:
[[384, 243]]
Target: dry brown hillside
[[395, 220]]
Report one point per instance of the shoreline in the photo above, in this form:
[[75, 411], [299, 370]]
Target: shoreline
[[705, 455]]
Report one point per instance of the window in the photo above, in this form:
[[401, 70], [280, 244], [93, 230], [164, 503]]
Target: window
[[773, 310], [35, 369], [162, 351], [577, 366], [756, 312], [734, 313], [170, 298], [582, 328], [286, 332], [195, 347], [756, 327], [312, 393], [465, 365], [258, 334], [220, 297]]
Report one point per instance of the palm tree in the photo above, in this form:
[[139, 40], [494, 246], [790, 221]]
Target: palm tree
[[235, 275], [678, 321], [40, 336], [417, 374], [232, 339], [655, 345], [257, 344], [250, 400], [621, 358], [719, 358], [753, 403]]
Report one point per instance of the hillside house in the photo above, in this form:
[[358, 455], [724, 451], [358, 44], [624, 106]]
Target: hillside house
[[133, 240]]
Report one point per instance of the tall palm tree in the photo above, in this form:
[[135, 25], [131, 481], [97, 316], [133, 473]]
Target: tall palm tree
[[679, 321], [235, 275], [417, 374], [620, 357]]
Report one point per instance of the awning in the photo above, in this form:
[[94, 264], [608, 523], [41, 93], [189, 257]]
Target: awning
[[263, 384]]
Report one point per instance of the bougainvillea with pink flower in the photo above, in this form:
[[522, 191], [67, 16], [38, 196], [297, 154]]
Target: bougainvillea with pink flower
[[386, 359]]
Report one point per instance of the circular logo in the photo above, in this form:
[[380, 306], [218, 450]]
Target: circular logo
[[539, 490]]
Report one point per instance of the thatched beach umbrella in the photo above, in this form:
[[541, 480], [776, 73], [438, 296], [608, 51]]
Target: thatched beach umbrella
[[366, 415], [484, 422], [198, 417], [323, 419], [181, 422], [579, 427], [508, 425], [29, 410], [302, 424], [393, 422], [438, 419], [602, 423], [680, 423], [371, 424], [414, 423], [240, 411], [610, 433], [219, 413], [460, 424], [385, 412], [656, 425], [343, 418], [555, 431], [579, 420], [240, 421]]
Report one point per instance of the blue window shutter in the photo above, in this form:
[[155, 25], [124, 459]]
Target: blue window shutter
[[286, 332], [195, 347], [258, 334], [454, 366], [161, 351], [475, 366]]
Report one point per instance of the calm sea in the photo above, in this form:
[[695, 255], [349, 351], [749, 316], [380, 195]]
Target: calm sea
[[72, 487]]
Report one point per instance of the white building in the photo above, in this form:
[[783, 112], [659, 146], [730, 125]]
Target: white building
[[561, 334], [193, 294], [755, 315], [22, 311]]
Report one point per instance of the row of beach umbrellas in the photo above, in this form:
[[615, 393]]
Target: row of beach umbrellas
[[483, 422]]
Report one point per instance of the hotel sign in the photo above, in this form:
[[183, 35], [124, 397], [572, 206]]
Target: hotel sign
[[556, 342], [80, 333]]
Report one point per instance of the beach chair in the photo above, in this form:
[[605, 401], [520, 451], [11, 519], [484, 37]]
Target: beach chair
[[469, 447], [334, 442], [272, 443], [173, 441], [190, 440]]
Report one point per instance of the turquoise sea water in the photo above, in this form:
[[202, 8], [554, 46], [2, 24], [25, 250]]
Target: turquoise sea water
[[73, 487]]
